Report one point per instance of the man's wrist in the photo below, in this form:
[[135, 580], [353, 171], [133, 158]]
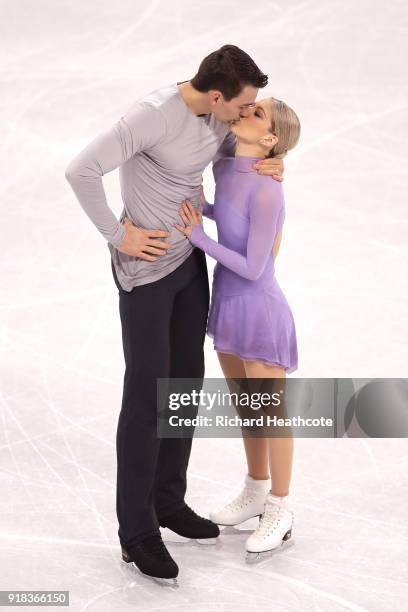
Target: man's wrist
[[118, 236]]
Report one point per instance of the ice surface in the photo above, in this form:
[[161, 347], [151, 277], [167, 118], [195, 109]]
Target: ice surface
[[68, 70]]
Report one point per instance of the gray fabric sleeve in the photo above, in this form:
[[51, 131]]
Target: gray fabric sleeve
[[141, 127]]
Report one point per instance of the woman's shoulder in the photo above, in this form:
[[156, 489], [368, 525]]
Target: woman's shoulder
[[266, 186]]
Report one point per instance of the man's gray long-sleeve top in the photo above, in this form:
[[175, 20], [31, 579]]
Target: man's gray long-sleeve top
[[161, 148]]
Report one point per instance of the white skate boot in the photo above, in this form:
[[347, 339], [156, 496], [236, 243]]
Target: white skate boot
[[247, 504], [274, 531]]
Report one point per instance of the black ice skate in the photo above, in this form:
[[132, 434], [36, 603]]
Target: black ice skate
[[153, 559], [187, 523]]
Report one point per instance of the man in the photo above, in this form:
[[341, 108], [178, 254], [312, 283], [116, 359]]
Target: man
[[161, 145]]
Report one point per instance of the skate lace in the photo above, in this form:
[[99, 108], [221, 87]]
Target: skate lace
[[155, 546], [241, 500], [188, 513], [270, 518]]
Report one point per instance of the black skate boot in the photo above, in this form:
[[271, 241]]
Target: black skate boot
[[153, 559], [187, 523]]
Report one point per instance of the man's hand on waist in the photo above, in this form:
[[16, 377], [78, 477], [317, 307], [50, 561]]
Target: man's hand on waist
[[143, 243]]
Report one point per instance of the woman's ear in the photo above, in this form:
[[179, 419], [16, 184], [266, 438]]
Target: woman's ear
[[269, 140]]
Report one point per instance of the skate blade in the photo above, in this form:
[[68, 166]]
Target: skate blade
[[207, 541], [163, 582], [179, 540], [257, 557], [233, 531]]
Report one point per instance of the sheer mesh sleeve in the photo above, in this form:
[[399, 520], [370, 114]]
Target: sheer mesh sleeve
[[208, 210], [266, 214]]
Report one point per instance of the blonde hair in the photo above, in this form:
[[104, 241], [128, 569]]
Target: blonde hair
[[285, 126]]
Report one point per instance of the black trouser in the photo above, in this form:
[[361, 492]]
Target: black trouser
[[163, 333]]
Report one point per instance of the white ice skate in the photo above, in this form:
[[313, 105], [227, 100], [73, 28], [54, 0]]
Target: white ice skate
[[274, 531], [247, 504]]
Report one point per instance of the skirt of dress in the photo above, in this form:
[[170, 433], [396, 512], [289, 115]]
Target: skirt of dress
[[255, 326]]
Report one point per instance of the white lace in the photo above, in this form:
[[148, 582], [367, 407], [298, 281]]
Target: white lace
[[242, 500], [270, 519]]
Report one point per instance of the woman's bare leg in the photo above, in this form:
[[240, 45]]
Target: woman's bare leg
[[256, 449], [280, 449]]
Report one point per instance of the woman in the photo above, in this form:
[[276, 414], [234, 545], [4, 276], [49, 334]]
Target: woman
[[250, 319]]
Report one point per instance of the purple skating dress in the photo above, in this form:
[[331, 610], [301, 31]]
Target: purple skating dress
[[249, 314]]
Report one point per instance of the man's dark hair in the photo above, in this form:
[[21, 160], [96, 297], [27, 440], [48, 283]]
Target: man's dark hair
[[228, 69]]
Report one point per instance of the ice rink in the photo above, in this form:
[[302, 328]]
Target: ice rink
[[68, 71]]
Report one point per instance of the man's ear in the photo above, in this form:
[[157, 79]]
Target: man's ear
[[215, 95]]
